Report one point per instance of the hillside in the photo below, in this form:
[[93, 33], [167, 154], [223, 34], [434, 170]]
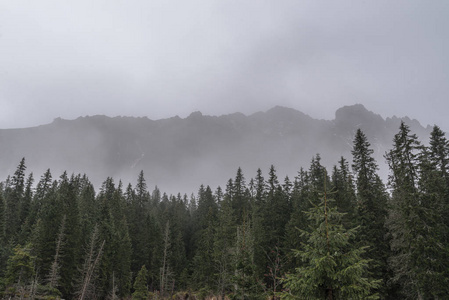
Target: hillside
[[180, 154]]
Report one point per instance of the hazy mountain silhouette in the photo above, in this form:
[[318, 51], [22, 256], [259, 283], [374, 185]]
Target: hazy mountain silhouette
[[180, 154]]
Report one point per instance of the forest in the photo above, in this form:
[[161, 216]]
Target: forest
[[324, 234]]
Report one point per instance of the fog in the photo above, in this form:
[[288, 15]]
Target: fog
[[165, 58]]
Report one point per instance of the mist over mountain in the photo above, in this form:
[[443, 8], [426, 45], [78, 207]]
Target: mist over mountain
[[178, 155]]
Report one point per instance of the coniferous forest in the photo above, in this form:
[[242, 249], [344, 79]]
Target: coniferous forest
[[324, 234]]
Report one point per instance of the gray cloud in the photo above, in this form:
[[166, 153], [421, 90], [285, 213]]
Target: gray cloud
[[164, 58]]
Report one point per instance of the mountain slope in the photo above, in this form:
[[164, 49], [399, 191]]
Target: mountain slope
[[180, 154]]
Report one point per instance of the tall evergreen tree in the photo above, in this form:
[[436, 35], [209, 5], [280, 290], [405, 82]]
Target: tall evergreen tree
[[240, 197], [206, 217], [14, 196], [20, 271], [270, 227], [245, 279], [25, 209], [438, 153], [2, 219], [431, 247], [141, 285], [344, 194], [139, 224], [116, 259], [371, 210], [224, 243], [300, 199], [332, 268], [413, 220]]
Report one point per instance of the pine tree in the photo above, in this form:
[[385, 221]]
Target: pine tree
[[224, 243], [20, 270], [240, 197], [371, 210], [414, 220], [246, 284], [14, 196], [45, 230], [438, 152], [344, 192], [206, 215], [25, 209], [332, 268], [140, 221], [180, 232], [140, 285], [258, 211], [68, 201], [142, 196], [2, 220], [431, 251], [43, 187], [300, 199], [115, 263], [275, 216]]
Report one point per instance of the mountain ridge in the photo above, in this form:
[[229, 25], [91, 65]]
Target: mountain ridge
[[179, 154]]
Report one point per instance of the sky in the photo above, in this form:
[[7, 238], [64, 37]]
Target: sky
[[159, 58]]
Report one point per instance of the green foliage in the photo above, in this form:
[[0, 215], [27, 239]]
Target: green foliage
[[2, 220], [371, 211], [416, 220], [14, 192], [224, 242], [140, 285], [246, 285], [345, 197], [20, 268], [331, 267], [237, 243]]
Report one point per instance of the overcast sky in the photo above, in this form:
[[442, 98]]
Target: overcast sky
[[160, 58]]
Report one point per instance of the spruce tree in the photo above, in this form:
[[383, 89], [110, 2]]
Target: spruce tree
[[276, 214], [206, 216], [177, 214], [20, 270], [344, 192], [68, 201], [140, 221], [301, 194], [431, 255], [25, 209], [245, 279], [14, 196], [371, 210], [419, 255], [2, 219], [438, 152], [332, 268], [115, 263], [141, 285], [224, 243]]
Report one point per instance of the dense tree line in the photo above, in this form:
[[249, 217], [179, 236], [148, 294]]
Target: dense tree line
[[323, 235]]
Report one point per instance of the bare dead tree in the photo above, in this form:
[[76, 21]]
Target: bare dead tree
[[165, 270], [54, 275], [93, 255], [113, 293]]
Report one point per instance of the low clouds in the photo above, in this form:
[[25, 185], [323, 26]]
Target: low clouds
[[159, 58]]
